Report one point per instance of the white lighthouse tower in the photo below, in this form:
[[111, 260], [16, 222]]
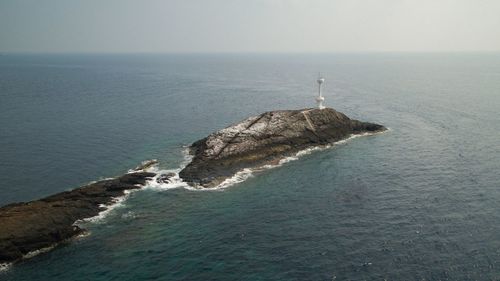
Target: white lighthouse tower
[[320, 99]]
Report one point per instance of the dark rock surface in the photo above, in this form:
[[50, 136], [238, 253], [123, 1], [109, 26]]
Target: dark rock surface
[[26, 227], [165, 178], [266, 138]]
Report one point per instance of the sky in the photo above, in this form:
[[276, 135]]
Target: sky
[[269, 26]]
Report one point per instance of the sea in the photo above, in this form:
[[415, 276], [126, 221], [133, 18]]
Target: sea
[[418, 202]]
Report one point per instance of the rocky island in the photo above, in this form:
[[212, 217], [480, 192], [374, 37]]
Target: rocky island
[[256, 141], [267, 138]]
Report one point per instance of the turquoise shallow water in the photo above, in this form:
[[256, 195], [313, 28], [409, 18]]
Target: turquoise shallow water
[[418, 202]]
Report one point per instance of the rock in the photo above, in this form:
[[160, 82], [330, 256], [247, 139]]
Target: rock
[[39, 224], [145, 165], [266, 138], [165, 178]]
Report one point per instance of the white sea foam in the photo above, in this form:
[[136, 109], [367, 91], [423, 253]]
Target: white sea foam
[[174, 181], [83, 234], [240, 176], [39, 251], [129, 215], [5, 266], [29, 255], [117, 202]]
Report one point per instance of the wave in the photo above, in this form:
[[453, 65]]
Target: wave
[[39, 251], [29, 255], [117, 202], [150, 166], [175, 181], [5, 266]]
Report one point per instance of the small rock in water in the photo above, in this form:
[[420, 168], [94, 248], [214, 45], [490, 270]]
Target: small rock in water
[[146, 164], [165, 178]]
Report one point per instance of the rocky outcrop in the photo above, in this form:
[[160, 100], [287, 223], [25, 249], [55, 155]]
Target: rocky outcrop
[[266, 138], [146, 165], [256, 141], [165, 178], [35, 225]]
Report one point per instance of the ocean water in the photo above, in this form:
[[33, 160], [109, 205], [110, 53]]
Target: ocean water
[[420, 202]]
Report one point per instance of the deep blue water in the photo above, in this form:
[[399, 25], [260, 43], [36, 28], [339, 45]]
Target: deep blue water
[[420, 202]]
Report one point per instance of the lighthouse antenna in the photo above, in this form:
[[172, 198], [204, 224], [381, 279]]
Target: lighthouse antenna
[[320, 98], [319, 88]]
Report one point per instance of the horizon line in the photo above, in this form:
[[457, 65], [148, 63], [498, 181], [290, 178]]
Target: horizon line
[[243, 52]]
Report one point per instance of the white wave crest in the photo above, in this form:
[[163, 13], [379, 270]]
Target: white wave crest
[[173, 182], [5, 266], [239, 177], [39, 251], [117, 202]]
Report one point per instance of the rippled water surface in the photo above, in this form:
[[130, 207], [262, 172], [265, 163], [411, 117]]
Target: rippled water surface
[[418, 202]]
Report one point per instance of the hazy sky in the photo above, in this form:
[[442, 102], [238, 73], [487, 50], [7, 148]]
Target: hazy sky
[[249, 25]]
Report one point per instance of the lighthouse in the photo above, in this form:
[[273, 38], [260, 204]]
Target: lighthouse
[[320, 99]]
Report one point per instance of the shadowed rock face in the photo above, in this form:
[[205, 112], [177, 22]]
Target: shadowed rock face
[[26, 227], [266, 138]]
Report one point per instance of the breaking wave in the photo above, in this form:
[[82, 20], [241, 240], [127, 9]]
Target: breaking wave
[[39, 251], [116, 203], [5, 266]]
